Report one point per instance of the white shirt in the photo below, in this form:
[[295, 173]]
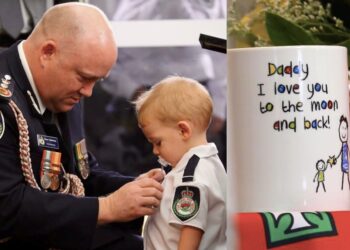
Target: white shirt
[[41, 109], [162, 230]]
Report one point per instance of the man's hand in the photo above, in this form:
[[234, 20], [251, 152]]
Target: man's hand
[[134, 199], [156, 174]]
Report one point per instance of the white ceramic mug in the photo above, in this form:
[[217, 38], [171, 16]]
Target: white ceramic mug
[[288, 116]]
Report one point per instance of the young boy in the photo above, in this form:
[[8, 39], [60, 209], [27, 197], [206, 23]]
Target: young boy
[[174, 116]]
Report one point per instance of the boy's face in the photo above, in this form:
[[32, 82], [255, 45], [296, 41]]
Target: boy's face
[[168, 142]]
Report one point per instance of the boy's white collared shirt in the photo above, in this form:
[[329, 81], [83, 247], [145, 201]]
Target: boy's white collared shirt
[[162, 230]]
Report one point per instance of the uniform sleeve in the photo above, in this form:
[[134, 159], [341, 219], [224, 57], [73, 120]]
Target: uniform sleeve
[[45, 219], [101, 181], [183, 208]]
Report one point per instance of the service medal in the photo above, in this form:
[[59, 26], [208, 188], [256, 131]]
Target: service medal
[[81, 157], [50, 170], [45, 180], [55, 182], [84, 168]]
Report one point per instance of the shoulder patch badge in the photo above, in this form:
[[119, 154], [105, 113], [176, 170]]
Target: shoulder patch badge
[[186, 202], [2, 124]]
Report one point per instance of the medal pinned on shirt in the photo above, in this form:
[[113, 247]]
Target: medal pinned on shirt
[[50, 170], [81, 157]]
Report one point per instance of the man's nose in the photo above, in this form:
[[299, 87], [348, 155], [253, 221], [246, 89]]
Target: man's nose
[[87, 89], [155, 151]]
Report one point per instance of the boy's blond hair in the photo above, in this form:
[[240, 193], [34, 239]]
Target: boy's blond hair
[[175, 99]]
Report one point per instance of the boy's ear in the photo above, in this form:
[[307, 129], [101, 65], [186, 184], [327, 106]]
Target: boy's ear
[[185, 129]]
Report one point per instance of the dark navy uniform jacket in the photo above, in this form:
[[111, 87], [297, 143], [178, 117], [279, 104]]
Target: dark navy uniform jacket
[[27, 215]]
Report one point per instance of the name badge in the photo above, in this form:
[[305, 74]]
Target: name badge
[[47, 141]]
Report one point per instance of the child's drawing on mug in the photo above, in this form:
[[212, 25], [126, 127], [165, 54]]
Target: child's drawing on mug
[[321, 168], [343, 153], [344, 150]]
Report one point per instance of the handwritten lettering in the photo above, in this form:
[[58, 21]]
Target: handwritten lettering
[[286, 88], [317, 87], [268, 107], [317, 123], [322, 105], [296, 96], [260, 89], [285, 125], [288, 106], [284, 70]]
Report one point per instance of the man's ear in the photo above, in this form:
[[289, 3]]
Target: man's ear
[[47, 50], [185, 129]]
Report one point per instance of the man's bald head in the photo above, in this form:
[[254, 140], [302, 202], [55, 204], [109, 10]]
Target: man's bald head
[[70, 49], [74, 23]]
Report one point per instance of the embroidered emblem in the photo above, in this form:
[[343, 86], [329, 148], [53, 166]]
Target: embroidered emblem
[[186, 202], [46, 141], [2, 124], [81, 157]]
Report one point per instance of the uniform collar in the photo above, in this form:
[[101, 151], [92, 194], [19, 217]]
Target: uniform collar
[[202, 151], [36, 102]]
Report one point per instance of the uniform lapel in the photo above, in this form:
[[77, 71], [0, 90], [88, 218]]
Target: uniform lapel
[[20, 79], [68, 136], [48, 123], [67, 140]]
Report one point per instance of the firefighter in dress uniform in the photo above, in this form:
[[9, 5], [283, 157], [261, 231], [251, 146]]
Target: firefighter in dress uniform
[[53, 193]]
